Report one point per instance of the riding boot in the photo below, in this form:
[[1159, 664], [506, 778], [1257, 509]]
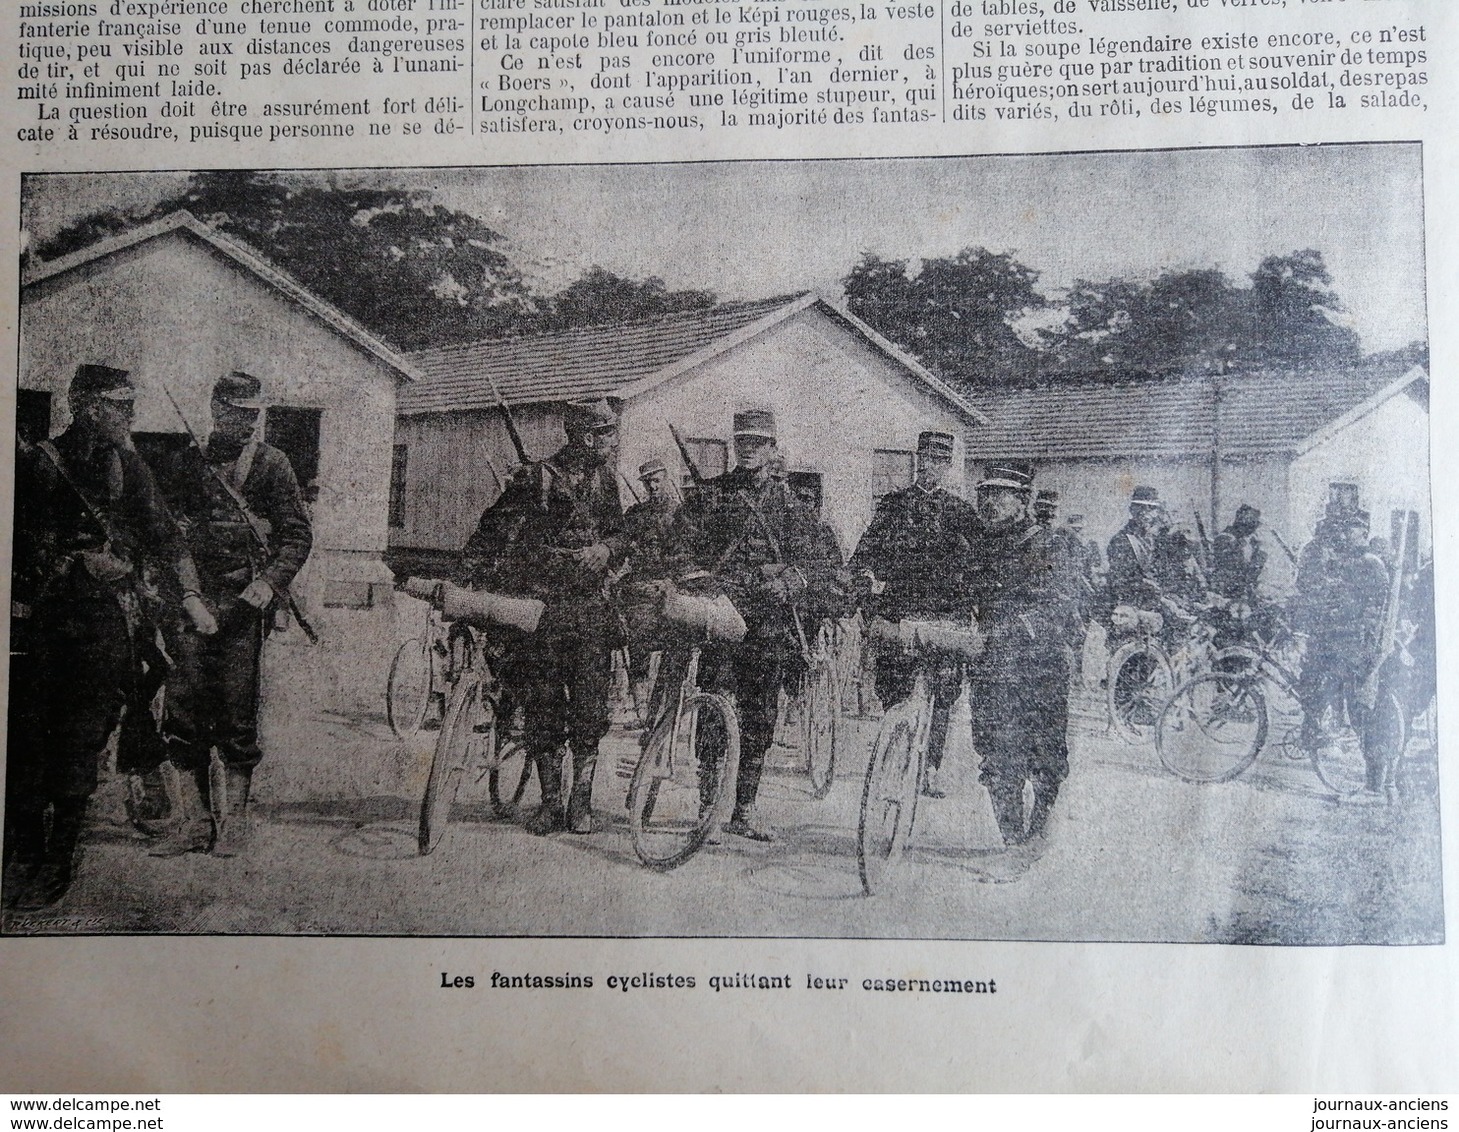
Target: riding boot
[[52, 878], [192, 828], [232, 837], [1044, 794], [1008, 810], [147, 806], [547, 817], [742, 822], [580, 801]]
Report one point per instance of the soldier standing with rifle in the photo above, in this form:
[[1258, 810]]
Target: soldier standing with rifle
[[553, 534], [238, 501], [917, 545], [88, 516], [755, 541], [1022, 585]]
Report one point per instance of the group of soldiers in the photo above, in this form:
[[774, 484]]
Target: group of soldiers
[[557, 533], [128, 578]]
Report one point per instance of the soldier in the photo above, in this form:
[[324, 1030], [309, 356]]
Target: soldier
[[1019, 686], [238, 502], [88, 517], [1238, 557], [553, 534], [1133, 564], [1342, 592], [917, 545], [646, 525], [1046, 508], [746, 530]]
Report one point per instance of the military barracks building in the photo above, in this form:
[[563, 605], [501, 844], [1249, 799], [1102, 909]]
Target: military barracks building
[[848, 403], [179, 303], [1274, 440]]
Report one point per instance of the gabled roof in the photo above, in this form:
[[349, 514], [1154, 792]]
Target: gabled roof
[[183, 221], [1260, 414], [622, 359]]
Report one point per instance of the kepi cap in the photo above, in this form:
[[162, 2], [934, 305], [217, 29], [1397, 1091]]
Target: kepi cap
[[1016, 475], [933, 443], [241, 390], [651, 468], [1145, 497], [599, 412], [106, 382], [756, 422]]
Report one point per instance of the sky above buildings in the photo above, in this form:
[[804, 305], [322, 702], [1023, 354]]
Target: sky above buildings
[[753, 229]]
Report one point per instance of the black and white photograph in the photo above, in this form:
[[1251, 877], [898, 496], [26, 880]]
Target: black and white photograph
[[1029, 548]]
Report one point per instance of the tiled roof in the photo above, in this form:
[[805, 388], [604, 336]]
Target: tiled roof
[[1171, 417], [586, 362], [185, 222]]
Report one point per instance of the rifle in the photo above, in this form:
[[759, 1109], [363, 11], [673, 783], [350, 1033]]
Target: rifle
[[1205, 538], [633, 491], [693, 468], [510, 421], [1368, 694], [250, 520], [1287, 550]]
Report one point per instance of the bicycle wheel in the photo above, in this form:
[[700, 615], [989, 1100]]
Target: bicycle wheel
[[1339, 763], [888, 801], [408, 690], [510, 772], [1139, 681], [687, 770], [455, 746], [1212, 728], [820, 725]]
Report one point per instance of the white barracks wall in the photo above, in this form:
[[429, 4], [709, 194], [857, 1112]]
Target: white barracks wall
[[836, 399]]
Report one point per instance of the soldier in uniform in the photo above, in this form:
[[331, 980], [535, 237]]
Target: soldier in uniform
[[1342, 591], [88, 519], [553, 534], [1046, 508], [238, 502], [1133, 565], [646, 525], [917, 546], [746, 530], [1238, 557], [1021, 586]]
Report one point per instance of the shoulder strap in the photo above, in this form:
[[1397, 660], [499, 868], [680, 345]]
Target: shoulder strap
[[238, 475]]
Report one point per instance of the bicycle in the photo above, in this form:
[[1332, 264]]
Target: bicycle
[[1215, 725], [893, 783], [416, 678], [479, 731], [1141, 674], [690, 757]]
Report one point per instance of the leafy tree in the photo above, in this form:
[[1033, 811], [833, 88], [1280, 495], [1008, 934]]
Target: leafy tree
[[600, 296], [1197, 320], [956, 314]]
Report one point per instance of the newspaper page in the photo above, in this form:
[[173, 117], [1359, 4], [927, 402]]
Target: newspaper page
[[729, 544]]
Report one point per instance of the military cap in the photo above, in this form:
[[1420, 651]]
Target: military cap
[[599, 412], [1145, 497], [239, 389], [651, 468], [935, 444], [1047, 496], [1248, 513], [1014, 474], [106, 382], [755, 422]]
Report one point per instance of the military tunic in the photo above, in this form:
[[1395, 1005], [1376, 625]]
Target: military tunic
[[743, 533], [918, 544], [80, 628], [522, 546], [212, 697], [1025, 602]]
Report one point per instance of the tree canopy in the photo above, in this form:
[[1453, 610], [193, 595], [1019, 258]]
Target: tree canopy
[[410, 270]]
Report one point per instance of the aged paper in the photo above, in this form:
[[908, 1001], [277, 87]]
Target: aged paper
[[1015, 668]]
